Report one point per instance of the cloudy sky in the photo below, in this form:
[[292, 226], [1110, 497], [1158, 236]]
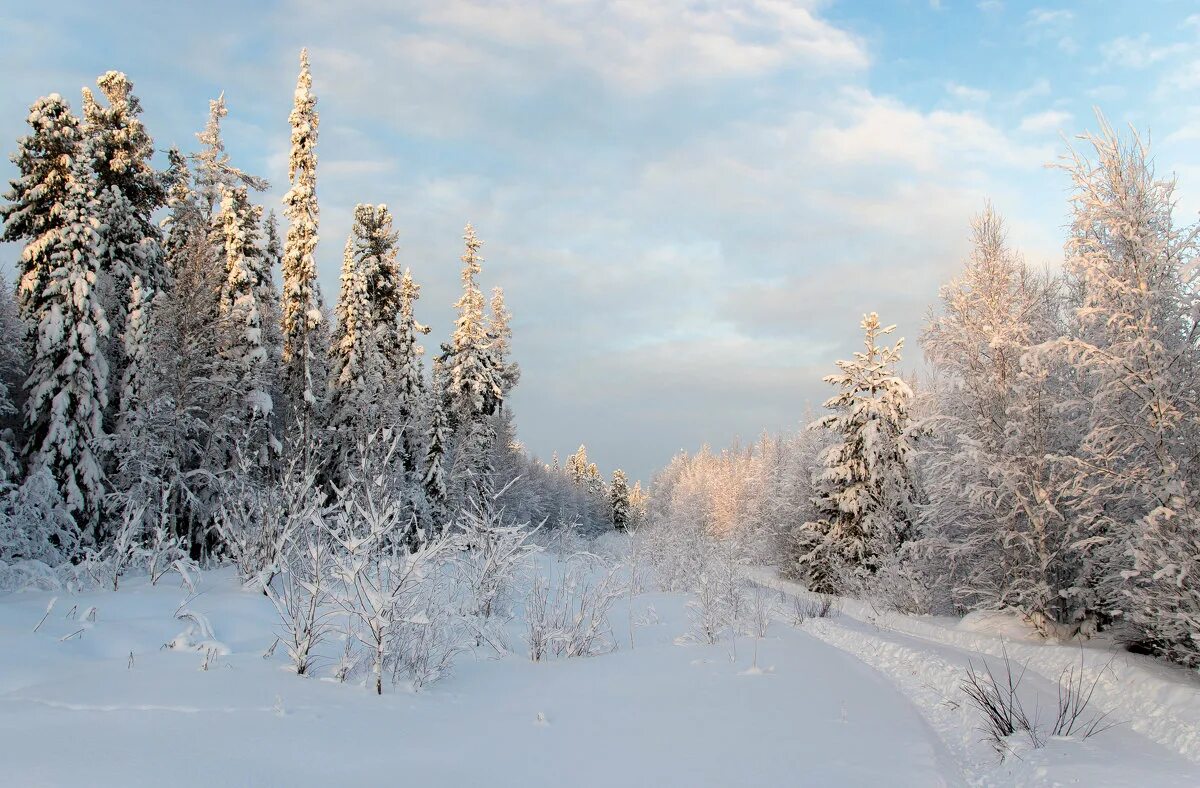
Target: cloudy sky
[[690, 204]]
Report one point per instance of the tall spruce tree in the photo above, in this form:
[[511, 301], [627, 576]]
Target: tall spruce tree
[[36, 201], [865, 487], [618, 497], [303, 370], [68, 384], [368, 312], [407, 372], [473, 391], [506, 371], [129, 189], [244, 354]]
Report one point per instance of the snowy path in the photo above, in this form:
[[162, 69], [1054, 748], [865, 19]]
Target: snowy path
[[1155, 741], [75, 712]]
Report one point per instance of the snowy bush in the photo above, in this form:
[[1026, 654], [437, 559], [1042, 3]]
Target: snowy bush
[[566, 612], [302, 594], [491, 553], [34, 525], [382, 577]]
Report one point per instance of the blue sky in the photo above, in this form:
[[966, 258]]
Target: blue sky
[[689, 204]]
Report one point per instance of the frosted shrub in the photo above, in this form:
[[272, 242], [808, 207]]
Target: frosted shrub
[[302, 594], [491, 552], [709, 611], [383, 580], [567, 614], [425, 645], [760, 611]]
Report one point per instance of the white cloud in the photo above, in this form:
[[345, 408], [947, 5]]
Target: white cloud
[[1040, 87], [965, 93], [1139, 52], [635, 46], [1045, 17], [1184, 79], [1041, 122]]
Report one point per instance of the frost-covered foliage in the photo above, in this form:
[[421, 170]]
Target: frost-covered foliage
[[618, 496], [757, 497], [566, 608], [997, 517], [34, 524], [1133, 343], [472, 387], [246, 292], [381, 575], [165, 374], [130, 189], [493, 551]]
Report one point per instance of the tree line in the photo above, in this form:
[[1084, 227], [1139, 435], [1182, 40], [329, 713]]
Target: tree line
[[157, 385]]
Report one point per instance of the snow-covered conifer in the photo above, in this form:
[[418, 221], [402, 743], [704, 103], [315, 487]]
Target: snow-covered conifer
[[507, 372], [367, 319], [214, 172], [247, 283], [303, 352], [120, 151], [473, 389], [618, 496], [36, 201], [406, 370], [865, 488], [68, 384]]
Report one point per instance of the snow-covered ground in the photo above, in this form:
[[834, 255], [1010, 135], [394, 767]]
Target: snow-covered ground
[[852, 700]]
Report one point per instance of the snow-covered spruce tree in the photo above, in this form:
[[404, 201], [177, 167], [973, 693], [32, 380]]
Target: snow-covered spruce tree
[[303, 351], [618, 496], [36, 199], [244, 356], [577, 467], [473, 390], [865, 487], [996, 516], [68, 384], [365, 325], [214, 173], [14, 368], [434, 481], [1134, 346], [129, 190], [406, 373], [507, 372]]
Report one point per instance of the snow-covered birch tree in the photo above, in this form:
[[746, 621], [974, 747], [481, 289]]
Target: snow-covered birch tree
[[1134, 345]]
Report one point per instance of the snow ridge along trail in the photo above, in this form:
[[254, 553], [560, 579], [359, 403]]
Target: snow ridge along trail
[[1155, 741]]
